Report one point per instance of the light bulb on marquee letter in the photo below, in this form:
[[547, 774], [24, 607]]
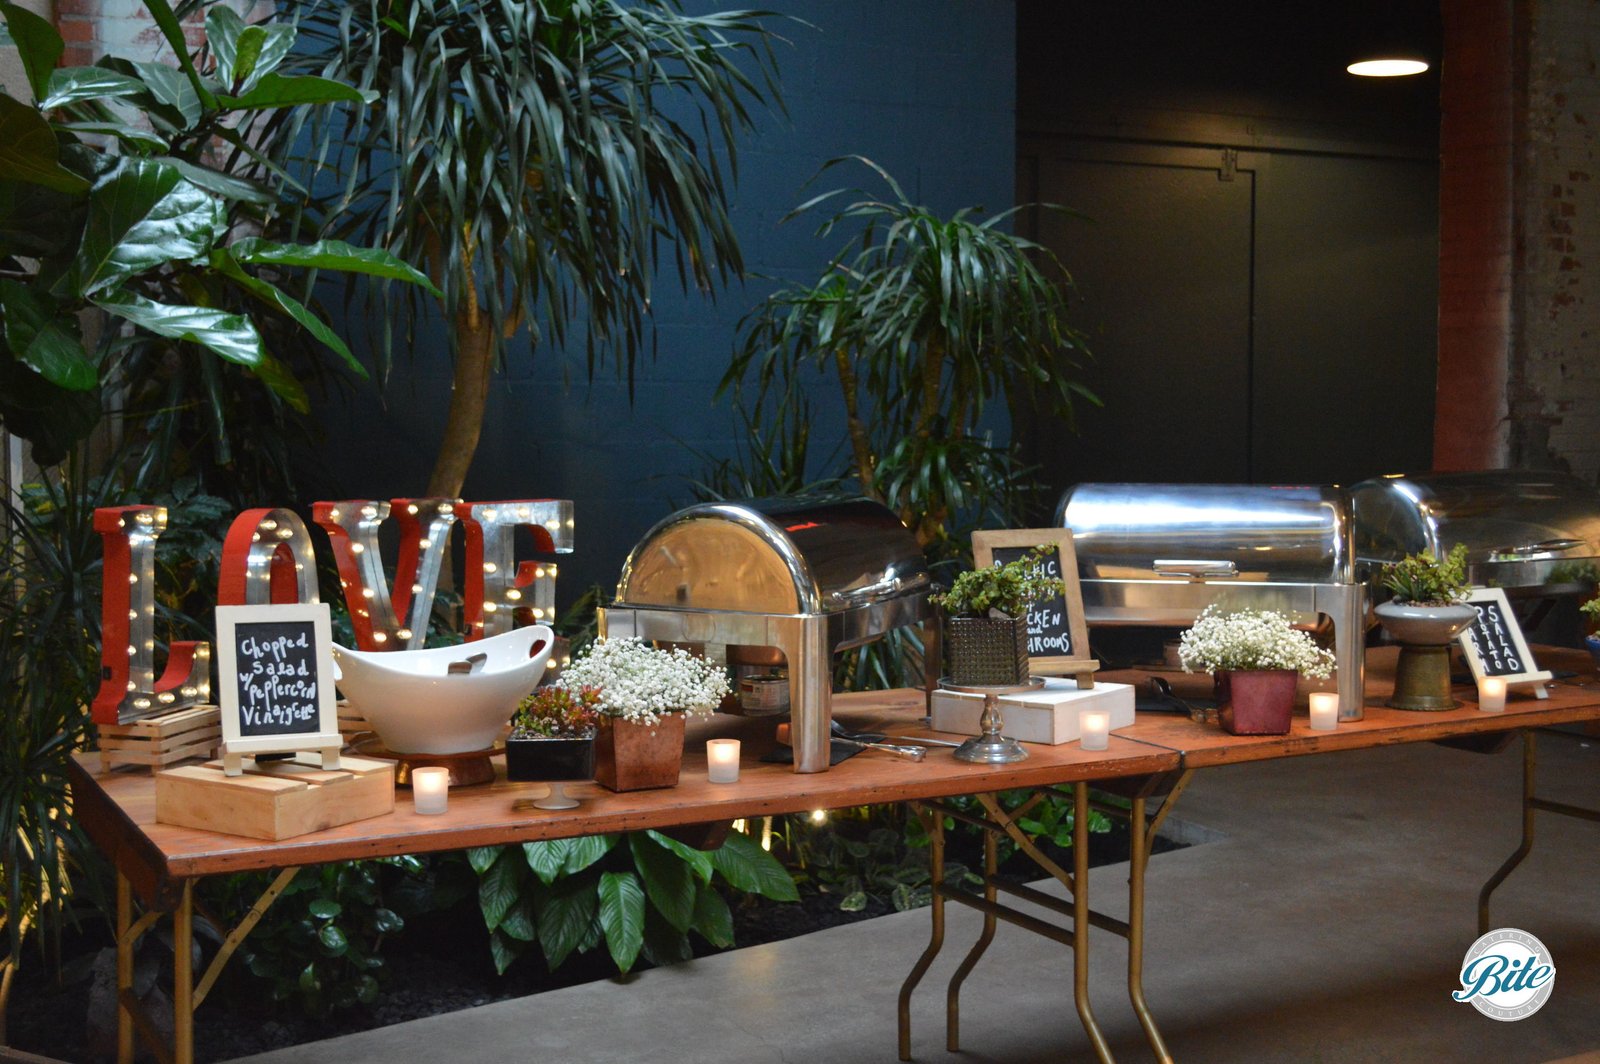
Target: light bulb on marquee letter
[[128, 685], [385, 619], [495, 586]]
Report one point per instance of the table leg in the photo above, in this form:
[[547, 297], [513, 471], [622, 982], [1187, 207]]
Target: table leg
[[1141, 837], [1080, 921], [183, 977], [124, 969], [1529, 765], [990, 922], [933, 822]]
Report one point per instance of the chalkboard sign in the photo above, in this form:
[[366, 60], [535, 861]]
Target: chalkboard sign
[[1058, 638], [1494, 644], [275, 682]]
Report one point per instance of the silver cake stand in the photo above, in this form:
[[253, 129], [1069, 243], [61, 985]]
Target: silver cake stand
[[991, 748]]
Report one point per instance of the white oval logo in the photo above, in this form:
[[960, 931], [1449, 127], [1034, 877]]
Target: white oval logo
[[1507, 975]]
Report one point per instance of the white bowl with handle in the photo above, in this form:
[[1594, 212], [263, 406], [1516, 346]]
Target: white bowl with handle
[[417, 705]]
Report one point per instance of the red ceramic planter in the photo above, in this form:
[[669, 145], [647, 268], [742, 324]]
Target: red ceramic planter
[[1258, 701]]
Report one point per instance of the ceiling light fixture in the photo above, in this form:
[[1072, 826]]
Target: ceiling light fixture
[[1388, 67]]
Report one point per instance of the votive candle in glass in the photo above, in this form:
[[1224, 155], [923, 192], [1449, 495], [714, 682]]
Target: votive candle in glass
[[722, 760], [1095, 725], [1324, 710], [1492, 694], [430, 790]]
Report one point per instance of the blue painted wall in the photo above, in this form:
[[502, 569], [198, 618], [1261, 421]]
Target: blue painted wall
[[924, 87]]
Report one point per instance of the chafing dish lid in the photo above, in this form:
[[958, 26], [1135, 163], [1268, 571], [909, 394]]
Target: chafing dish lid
[[1501, 515], [1294, 533], [782, 555]]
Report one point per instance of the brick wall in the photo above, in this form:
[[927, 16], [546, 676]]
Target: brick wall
[[1554, 388]]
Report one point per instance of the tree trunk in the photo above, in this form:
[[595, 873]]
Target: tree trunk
[[469, 392]]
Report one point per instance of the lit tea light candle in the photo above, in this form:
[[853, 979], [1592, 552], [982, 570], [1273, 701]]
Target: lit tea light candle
[[1324, 710], [430, 790], [1096, 728], [1492, 694], [722, 760]]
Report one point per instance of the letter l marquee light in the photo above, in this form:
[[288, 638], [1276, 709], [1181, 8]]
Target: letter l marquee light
[[128, 685]]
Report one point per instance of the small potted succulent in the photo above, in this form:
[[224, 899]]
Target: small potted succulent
[[986, 619], [1427, 612], [552, 735], [645, 695], [1257, 657], [1591, 610]]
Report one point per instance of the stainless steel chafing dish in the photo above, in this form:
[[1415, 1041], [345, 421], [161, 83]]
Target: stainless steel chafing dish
[[1531, 533], [806, 577], [1158, 554]]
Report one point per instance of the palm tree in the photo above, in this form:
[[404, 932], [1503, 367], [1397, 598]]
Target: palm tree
[[537, 157]]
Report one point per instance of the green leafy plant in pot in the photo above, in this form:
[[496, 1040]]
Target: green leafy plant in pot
[[552, 740], [986, 619], [1425, 615], [1257, 657], [1591, 613]]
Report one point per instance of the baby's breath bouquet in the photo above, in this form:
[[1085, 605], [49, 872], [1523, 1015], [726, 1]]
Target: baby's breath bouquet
[[1250, 639], [641, 684]]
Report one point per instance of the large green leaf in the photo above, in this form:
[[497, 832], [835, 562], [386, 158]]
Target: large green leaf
[[172, 30], [498, 891], [712, 917], [37, 222], [282, 381], [698, 860], [225, 185], [546, 857], [142, 215], [566, 915], [232, 336], [224, 262], [74, 84], [668, 880], [746, 866], [518, 924], [38, 44], [328, 255], [52, 419], [586, 850], [280, 90], [132, 136], [622, 917], [45, 342], [245, 54], [172, 88], [29, 152], [481, 857]]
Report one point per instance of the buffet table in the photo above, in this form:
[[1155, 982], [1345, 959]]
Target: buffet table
[[157, 864]]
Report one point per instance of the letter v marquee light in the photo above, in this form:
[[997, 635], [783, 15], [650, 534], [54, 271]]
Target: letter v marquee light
[[385, 619]]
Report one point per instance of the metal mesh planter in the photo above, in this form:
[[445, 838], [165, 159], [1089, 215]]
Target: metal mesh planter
[[987, 651]]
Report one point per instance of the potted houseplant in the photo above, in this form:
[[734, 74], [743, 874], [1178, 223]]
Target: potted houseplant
[[552, 740], [986, 620], [1425, 615], [1257, 657], [1591, 610], [645, 695]]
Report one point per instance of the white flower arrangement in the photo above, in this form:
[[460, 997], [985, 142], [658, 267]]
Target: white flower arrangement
[[641, 684], [1250, 639]]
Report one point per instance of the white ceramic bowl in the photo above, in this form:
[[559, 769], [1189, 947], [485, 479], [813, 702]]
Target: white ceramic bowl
[[417, 706]]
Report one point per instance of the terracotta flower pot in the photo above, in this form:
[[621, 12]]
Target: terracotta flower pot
[[1259, 702], [638, 757]]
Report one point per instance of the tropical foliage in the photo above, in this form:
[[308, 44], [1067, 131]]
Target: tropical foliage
[[128, 188], [639, 893], [1425, 580], [921, 322], [540, 158], [1010, 588]]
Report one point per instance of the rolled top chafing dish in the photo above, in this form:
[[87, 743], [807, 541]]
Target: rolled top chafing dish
[[807, 577], [1532, 533], [1158, 554]]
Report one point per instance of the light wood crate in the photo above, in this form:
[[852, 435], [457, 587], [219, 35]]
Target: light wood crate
[[276, 799], [160, 741]]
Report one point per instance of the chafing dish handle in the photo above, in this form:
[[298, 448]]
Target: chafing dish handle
[[1196, 569], [1549, 546], [890, 585]]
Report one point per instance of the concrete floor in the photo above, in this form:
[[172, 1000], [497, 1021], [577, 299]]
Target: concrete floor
[[1327, 926]]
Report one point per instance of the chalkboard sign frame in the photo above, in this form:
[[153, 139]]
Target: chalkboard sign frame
[[1519, 643], [985, 543], [325, 739]]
